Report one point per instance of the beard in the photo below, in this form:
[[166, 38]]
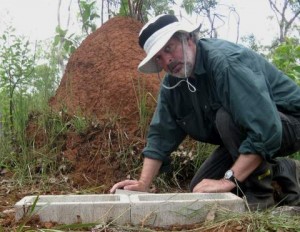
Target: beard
[[183, 69], [184, 72]]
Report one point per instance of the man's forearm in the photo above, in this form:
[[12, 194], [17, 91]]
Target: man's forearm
[[242, 168], [150, 170], [245, 165]]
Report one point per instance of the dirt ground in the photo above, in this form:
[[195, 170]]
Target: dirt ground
[[101, 82]]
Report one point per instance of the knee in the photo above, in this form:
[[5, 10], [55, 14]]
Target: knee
[[230, 133], [223, 121]]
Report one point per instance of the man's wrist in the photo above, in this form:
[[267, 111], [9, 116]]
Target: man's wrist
[[144, 183], [229, 183], [229, 176]]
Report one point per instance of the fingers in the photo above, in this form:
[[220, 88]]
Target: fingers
[[125, 184], [213, 186], [197, 189]]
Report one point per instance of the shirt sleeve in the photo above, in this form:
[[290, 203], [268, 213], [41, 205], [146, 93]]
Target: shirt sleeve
[[164, 134], [245, 92]]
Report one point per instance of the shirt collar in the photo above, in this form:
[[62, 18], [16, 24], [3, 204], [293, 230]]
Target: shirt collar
[[199, 63]]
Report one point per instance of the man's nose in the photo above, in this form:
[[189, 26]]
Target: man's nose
[[167, 59]]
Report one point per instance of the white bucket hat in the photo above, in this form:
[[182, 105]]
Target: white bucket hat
[[155, 34]]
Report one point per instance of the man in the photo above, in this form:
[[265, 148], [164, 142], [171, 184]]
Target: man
[[225, 94]]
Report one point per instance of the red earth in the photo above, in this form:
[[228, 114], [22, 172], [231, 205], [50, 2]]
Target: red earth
[[101, 82]]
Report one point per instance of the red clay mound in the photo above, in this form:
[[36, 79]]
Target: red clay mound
[[101, 78], [101, 81]]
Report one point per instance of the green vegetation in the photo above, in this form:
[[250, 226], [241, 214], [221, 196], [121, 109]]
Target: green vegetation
[[287, 58], [142, 99]]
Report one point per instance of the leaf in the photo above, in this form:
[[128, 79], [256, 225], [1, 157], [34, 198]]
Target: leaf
[[56, 40], [297, 69]]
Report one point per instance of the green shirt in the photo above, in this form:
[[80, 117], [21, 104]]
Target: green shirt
[[227, 75]]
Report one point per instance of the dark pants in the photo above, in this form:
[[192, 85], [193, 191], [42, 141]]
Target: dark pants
[[225, 155]]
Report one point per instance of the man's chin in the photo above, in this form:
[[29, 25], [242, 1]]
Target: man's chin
[[178, 75], [182, 74]]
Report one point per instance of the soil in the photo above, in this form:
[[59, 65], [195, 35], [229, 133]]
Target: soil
[[101, 82], [102, 85]]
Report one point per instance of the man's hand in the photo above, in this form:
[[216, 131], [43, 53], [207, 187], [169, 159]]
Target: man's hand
[[149, 171], [133, 185], [213, 186], [242, 168]]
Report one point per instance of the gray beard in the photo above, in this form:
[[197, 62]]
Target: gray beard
[[184, 74]]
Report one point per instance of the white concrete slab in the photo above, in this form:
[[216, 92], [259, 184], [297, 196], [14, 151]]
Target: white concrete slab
[[180, 208], [68, 209], [129, 192], [138, 209]]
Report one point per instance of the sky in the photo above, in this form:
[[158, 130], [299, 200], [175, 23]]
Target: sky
[[37, 19], [254, 18]]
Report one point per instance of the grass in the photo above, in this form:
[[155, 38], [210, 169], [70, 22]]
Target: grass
[[224, 220], [296, 155], [142, 99], [252, 222]]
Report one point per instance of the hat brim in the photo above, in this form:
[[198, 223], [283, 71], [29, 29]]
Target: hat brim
[[159, 40]]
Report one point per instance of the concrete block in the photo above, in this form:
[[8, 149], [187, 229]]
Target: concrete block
[[180, 208], [129, 192], [68, 209]]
